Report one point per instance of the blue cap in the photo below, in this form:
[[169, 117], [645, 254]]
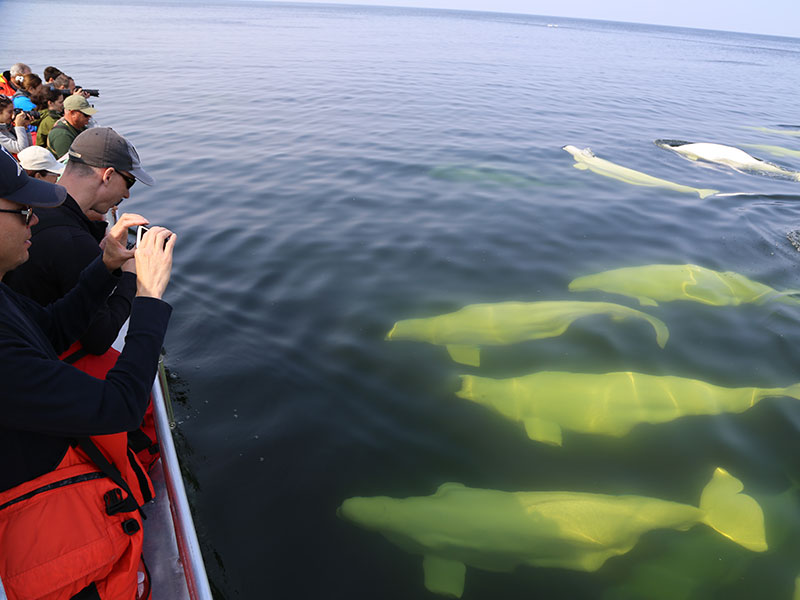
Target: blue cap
[[15, 185]]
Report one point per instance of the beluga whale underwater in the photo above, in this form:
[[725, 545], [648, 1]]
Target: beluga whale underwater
[[728, 156], [652, 283], [499, 531], [586, 159], [611, 404], [464, 331]]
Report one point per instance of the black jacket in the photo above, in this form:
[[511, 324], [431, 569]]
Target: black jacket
[[45, 402], [63, 243]]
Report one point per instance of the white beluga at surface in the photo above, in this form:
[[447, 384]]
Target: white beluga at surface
[[587, 160], [728, 156]]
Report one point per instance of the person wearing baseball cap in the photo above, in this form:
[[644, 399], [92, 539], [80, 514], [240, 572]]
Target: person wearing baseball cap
[[39, 163], [77, 112], [101, 169], [50, 543]]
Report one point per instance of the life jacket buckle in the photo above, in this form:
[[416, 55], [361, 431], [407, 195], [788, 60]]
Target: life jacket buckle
[[130, 526], [115, 503]]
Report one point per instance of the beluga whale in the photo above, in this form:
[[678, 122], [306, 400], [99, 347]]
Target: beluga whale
[[464, 331], [728, 156], [652, 283], [610, 404], [586, 159], [498, 531]]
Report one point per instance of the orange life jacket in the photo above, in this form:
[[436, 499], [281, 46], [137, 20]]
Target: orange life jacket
[[76, 528], [5, 87], [143, 441]]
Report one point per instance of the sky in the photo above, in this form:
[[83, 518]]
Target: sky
[[770, 17]]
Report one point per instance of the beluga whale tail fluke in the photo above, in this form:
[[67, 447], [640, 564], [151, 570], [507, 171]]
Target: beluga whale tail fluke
[[498, 531], [587, 160], [728, 156]]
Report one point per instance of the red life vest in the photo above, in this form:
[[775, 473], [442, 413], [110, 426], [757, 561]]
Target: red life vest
[[5, 88], [142, 441], [74, 529]]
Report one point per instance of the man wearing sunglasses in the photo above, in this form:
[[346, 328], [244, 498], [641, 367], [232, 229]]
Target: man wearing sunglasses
[[69, 521], [102, 168]]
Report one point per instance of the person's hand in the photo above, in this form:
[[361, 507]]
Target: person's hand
[[125, 221], [129, 266], [22, 120], [115, 251], [154, 262]]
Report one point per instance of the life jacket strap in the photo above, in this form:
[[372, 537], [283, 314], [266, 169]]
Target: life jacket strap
[[98, 458]]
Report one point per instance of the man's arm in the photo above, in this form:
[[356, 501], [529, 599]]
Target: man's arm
[[67, 318], [49, 396]]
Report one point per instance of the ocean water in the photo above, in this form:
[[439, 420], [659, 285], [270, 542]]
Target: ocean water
[[330, 170]]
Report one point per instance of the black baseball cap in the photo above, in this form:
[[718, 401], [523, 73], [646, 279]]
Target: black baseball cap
[[103, 147], [15, 185]]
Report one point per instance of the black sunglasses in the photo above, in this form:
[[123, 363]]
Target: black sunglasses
[[27, 212], [129, 181]]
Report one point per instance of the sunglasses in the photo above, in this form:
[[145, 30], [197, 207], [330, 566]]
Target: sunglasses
[[129, 181], [27, 212]]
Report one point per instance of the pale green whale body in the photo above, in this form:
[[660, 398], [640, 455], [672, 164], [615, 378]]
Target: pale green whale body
[[607, 404], [778, 151], [498, 531], [652, 283], [586, 159], [465, 330], [792, 132]]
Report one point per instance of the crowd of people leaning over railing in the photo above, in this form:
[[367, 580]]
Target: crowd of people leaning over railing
[[76, 433]]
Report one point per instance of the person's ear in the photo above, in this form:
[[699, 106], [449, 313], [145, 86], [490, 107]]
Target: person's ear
[[108, 174]]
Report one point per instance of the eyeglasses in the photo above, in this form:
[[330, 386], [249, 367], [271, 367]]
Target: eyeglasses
[[129, 181], [26, 212]]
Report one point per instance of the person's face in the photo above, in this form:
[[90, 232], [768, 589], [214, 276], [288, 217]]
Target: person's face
[[78, 119], [48, 177], [15, 236], [7, 114], [112, 191], [57, 105]]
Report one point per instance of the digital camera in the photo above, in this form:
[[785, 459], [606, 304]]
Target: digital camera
[[32, 114]]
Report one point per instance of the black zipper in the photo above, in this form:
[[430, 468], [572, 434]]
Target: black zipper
[[53, 486]]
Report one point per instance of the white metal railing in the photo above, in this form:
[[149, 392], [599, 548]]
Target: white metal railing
[[185, 534]]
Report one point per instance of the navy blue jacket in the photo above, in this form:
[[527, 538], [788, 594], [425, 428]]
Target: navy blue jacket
[[45, 402], [63, 243]]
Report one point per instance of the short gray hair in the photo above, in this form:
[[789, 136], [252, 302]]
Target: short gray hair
[[20, 69]]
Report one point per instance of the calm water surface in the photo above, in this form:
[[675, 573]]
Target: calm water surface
[[331, 170]]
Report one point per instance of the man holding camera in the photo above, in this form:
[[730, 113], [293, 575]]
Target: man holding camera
[[102, 167], [69, 496], [77, 112]]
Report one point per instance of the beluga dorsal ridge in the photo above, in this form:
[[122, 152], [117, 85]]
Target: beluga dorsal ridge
[[587, 160], [498, 531], [464, 331], [728, 156], [651, 284]]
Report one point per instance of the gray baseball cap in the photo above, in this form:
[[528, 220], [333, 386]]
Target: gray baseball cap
[[103, 147]]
